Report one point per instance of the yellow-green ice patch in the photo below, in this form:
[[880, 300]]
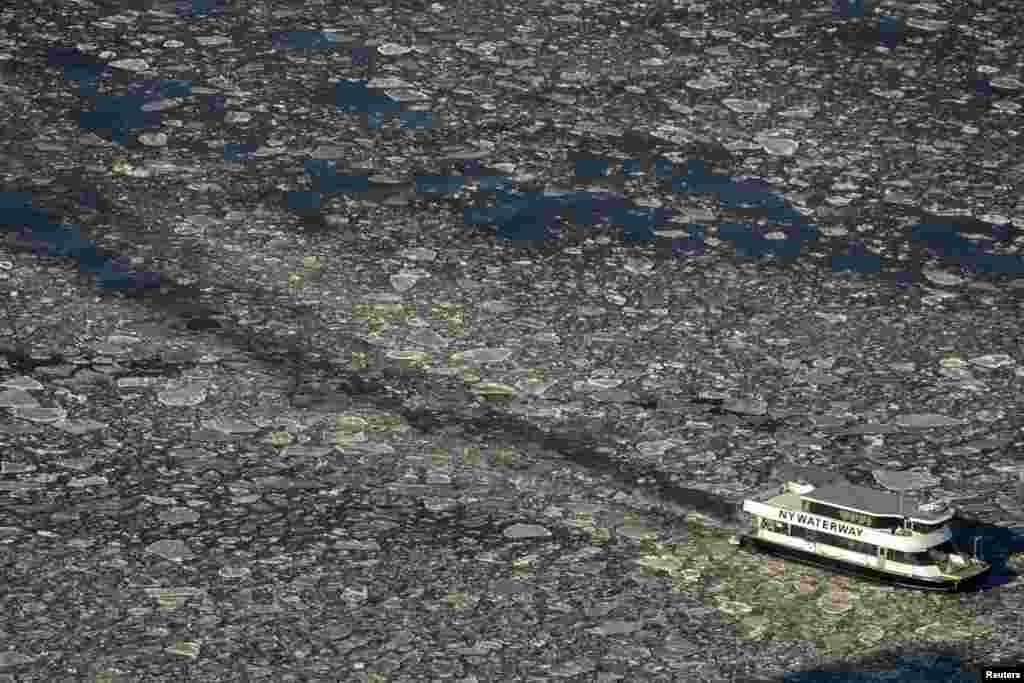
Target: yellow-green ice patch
[[583, 519], [452, 315], [456, 600], [121, 167], [351, 423], [384, 422], [280, 439], [439, 457], [384, 311], [411, 359], [494, 391], [471, 455], [504, 456], [768, 597]]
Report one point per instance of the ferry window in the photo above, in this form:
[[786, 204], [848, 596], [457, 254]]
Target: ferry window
[[909, 558], [855, 517], [772, 525], [838, 542], [816, 536], [850, 544], [943, 549], [926, 528], [887, 523], [866, 548], [820, 509]]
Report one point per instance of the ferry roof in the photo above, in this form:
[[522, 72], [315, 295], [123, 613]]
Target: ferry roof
[[873, 502]]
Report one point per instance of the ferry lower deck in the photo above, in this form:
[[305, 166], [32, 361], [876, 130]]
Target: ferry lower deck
[[887, 554], [938, 584]]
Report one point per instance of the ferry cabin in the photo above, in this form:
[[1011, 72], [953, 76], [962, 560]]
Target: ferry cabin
[[859, 526]]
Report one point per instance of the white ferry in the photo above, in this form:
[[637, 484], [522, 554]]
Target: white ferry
[[821, 519]]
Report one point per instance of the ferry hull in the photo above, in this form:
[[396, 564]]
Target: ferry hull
[[871, 574]]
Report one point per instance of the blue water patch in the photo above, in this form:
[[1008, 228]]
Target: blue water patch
[[416, 120], [119, 116], [116, 116], [591, 168], [632, 167], [239, 151], [216, 105], [591, 208], [751, 240], [65, 240], [361, 56], [292, 40], [520, 216], [908, 669], [995, 544], [495, 183], [356, 97], [848, 8], [688, 246], [324, 175], [993, 263], [80, 68], [638, 224], [439, 184], [200, 8], [890, 32], [531, 216], [319, 168], [535, 214], [943, 240], [303, 201], [158, 89]]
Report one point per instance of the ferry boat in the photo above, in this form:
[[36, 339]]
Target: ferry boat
[[819, 518]]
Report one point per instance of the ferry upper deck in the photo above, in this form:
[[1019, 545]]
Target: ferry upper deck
[[839, 507], [830, 493], [877, 503], [851, 503]]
